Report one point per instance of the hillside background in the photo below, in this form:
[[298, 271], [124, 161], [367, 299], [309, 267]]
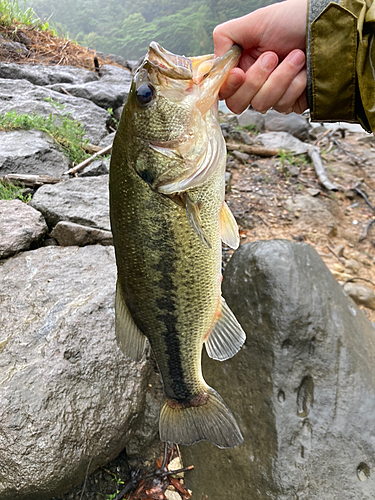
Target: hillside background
[[126, 27]]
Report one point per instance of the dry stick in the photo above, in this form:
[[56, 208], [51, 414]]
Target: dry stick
[[314, 154], [87, 473], [364, 235], [31, 180], [333, 253], [357, 278], [253, 150], [158, 473], [86, 162], [361, 193]]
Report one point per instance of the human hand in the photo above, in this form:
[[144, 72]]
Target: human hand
[[267, 36]]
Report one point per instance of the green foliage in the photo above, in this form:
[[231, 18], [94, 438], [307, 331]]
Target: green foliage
[[12, 14], [68, 133], [9, 191], [126, 27]]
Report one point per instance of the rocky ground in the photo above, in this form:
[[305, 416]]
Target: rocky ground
[[282, 198]]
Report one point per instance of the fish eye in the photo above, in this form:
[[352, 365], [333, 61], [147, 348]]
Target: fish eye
[[145, 93]]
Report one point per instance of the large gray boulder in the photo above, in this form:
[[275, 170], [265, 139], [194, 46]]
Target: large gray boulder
[[69, 398], [282, 140], [20, 226], [111, 91], [25, 98], [40, 74], [83, 200], [291, 123], [31, 152], [302, 388]]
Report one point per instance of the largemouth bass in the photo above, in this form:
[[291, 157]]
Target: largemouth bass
[[168, 216]]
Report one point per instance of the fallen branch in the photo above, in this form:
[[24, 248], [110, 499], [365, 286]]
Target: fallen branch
[[86, 162], [31, 180], [364, 235], [361, 193], [314, 155], [357, 278], [253, 150]]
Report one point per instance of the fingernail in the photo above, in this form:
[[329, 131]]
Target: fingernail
[[297, 58], [268, 61]]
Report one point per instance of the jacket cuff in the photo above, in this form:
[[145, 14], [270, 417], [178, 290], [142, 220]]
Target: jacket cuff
[[332, 50]]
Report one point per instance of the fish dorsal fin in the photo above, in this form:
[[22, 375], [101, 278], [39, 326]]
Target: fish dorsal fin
[[130, 338], [227, 336], [193, 215], [228, 227]]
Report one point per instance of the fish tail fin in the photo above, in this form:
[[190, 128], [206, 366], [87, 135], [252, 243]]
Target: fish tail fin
[[212, 421]]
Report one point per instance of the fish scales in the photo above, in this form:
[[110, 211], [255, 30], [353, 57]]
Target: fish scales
[[169, 275]]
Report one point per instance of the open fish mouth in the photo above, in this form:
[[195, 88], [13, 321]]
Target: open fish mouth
[[188, 68]]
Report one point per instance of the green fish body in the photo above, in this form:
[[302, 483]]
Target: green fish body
[[168, 217]]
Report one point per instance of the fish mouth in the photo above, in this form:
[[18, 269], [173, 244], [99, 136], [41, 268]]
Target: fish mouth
[[196, 69]]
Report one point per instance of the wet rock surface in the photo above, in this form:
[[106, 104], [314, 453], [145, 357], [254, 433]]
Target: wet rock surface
[[69, 398], [30, 152], [83, 201], [40, 74], [302, 388], [70, 234], [111, 91], [26, 98], [20, 226]]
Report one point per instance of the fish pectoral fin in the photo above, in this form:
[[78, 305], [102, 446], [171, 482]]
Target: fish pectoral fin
[[194, 218], [228, 227], [130, 338], [227, 336]]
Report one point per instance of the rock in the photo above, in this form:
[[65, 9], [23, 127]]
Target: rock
[[70, 234], [239, 136], [242, 157], [251, 118], [20, 226], [96, 168], [172, 495], [8, 48], [293, 170], [353, 266], [302, 389], [283, 140], [258, 178], [107, 140], [291, 123], [40, 74], [350, 194], [313, 210], [25, 98], [81, 200], [111, 91], [339, 250], [361, 294], [69, 398], [31, 152], [313, 191], [332, 229]]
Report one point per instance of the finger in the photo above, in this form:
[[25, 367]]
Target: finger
[[294, 92], [235, 79], [255, 78], [279, 81]]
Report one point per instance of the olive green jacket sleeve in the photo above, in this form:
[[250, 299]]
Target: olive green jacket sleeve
[[341, 61]]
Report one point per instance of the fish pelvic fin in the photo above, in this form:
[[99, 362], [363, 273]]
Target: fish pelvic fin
[[228, 227], [227, 336], [194, 218], [129, 337], [212, 421]]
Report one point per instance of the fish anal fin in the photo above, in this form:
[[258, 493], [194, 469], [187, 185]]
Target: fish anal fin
[[228, 227], [193, 215], [129, 337], [227, 336], [212, 421]]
